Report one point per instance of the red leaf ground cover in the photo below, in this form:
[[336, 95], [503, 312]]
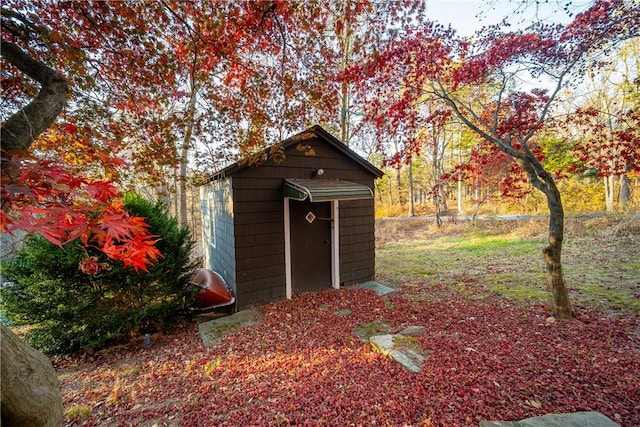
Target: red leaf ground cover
[[489, 359]]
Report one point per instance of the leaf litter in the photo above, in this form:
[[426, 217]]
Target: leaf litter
[[488, 359]]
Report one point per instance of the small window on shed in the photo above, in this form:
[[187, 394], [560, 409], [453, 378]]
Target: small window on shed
[[208, 220], [212, 221]]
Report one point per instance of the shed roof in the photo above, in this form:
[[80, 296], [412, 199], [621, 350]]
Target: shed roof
[[320, 133]]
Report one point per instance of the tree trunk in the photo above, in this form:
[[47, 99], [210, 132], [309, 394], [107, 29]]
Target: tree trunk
[[20, 130], [30, 391], [609, 192], [459, 182], [344, 113], [543, 181], [29, 384], [625, 189], [443, 197], [24, 126], [474, 215], [378, 192], [553, 253], [345, 91], [411, 195], [184, 156], [399, 185]]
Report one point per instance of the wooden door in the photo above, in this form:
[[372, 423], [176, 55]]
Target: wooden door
[[310, 245]]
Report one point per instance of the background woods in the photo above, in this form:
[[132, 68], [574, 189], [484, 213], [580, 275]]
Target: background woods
[[169, 107]]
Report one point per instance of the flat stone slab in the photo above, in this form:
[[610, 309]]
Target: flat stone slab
[[574, 419], [378, 287], [211, 331], [367, 330], [401, 348], [412, 330], [383, 344], [411, 360], [343, 312]]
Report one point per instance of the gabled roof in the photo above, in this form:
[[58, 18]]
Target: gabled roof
[[316, 131]]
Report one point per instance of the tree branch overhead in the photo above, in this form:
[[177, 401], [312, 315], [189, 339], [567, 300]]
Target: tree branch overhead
[[24, 126]]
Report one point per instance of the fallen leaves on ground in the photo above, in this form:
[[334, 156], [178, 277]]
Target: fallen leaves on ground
[[489, 360]]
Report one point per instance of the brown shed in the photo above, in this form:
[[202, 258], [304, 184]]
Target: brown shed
[[301, 224]]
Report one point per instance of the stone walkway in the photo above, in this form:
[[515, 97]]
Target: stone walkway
[[378, 287], [213, 330], [575, 419]]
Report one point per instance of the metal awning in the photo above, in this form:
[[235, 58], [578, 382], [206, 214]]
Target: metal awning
[[323, 190]]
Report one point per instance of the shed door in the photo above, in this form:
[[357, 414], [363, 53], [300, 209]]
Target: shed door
[[310, 245]]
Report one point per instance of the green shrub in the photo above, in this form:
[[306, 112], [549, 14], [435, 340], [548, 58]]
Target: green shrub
[[70, 310]]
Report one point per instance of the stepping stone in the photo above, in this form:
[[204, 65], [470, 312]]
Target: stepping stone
[[409, 359], [212, 331], [412, 330], [402, 349], [343, 312], [575, 419], [367, 330], [378, 287], [383, 344]]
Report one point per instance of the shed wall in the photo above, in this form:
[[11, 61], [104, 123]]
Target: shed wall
[[259, 237], [357, 240], [258, 211], [218, 229]]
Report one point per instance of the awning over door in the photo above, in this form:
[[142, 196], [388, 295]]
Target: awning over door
[[323, 190]]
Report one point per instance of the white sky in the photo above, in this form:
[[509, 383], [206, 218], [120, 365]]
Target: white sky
[[461, 14], [468, 16]]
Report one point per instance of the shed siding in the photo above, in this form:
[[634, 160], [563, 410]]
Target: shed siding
[[357, 240], [218, 229], [259, 222], [259, 237]]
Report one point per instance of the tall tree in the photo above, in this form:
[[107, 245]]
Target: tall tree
[[278, 82], [491, 174], [26, 374], [609, 141], [44, 198], [358, 28], [123, 76], [438, 66]]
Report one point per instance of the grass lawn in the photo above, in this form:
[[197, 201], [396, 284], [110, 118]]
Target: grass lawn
[[601, 262], [493, 352]]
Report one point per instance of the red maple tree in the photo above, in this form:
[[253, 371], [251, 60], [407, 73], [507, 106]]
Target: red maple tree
[[136, 71], [608, 144], [477, 80], [491, 175], [45, 198], [42, 196]]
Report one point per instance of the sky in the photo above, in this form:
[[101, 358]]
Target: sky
[[468, 16], [463, 15]]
